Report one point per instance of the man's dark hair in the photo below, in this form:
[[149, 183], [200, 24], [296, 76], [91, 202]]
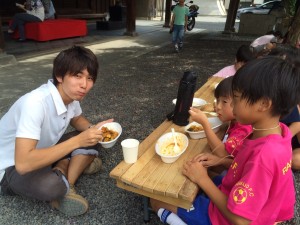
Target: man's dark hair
[[269, 78], [73, 61]]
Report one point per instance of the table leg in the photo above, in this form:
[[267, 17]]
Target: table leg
[[146, 209]]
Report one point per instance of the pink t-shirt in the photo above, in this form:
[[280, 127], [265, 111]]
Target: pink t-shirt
[[235, 136], [259, 183], [226, 72]]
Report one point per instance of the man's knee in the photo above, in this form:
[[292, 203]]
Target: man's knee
[[55, 186]]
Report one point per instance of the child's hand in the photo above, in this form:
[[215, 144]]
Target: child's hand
[[208, 159], [198, 116], [195, 171]]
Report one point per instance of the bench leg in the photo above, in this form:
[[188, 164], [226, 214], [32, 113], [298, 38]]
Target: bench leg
[[146, 209]]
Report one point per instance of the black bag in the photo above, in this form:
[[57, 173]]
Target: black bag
[[184, 101]]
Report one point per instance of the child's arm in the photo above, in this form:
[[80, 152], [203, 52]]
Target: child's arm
[[21, 6], [208, 160], [195, 171], [172, 20], [216, 145], [295, 128], [185, 22]]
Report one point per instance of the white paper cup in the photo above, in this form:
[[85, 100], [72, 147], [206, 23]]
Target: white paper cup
[[130, 149]]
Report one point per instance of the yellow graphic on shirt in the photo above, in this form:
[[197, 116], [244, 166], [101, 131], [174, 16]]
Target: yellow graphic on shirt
[[233, 141], [287, 167], [234, 166], [240, 195]]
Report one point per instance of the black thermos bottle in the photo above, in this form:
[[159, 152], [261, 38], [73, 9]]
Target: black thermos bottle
[[185, 97]]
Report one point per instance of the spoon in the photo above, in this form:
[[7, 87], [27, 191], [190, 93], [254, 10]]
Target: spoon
[[211, 113], [176, 147]]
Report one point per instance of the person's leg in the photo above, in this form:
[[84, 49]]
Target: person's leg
[[156, 205], [175, 37], [13, 26], [20, 19], [167, 213], [180, 37], [196, 215], [44, 184], [77, 165], [77, 162]]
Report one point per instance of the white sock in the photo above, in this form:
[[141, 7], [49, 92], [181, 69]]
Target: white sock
[[170, 218]]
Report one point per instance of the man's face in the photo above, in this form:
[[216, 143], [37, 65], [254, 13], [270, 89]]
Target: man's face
[[75, 86]]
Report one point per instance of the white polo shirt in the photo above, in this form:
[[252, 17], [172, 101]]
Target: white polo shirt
[[40, 115]]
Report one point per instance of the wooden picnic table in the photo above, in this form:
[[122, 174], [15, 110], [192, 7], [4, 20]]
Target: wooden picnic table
[[151, 177]]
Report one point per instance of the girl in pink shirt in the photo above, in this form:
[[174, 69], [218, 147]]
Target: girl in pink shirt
[[224, 151], [242, 56], [258, 188]]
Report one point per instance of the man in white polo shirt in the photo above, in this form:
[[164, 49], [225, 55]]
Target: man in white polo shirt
[[35, 161]]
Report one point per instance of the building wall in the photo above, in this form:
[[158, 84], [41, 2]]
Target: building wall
[[144, 8], [8, 8]]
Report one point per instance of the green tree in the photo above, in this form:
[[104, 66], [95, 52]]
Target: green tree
[[294, 30]]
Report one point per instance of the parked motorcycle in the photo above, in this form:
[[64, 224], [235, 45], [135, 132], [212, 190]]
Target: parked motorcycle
[[193, 12]]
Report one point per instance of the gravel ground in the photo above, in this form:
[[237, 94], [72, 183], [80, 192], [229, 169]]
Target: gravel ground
[[137, 93]]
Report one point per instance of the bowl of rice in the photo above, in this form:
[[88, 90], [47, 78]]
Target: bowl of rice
[[164, 146]]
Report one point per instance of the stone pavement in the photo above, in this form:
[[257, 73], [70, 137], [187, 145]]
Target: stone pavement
[[137, 81]]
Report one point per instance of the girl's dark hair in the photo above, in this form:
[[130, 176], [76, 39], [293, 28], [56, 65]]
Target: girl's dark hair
[[73, 61], [287, 52], [271, 78], [244, 54], [224, 88]]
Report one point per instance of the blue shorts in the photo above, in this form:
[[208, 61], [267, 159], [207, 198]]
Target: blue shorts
[[198, 213]]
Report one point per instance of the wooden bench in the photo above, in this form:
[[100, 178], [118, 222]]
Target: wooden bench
[[54, 29], [87, 16]]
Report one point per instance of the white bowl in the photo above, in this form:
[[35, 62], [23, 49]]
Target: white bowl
[[167, 139], [196, 102], [215, 124], [115, 127]]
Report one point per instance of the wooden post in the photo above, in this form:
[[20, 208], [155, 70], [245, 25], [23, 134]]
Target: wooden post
[[1, 38], [168, 13], [230, 20], [130, 18]]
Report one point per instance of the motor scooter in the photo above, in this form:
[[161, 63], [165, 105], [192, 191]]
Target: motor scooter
[[193, 12]]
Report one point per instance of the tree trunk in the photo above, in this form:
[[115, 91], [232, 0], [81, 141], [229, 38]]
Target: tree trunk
[[168, 13], [130, 18], [231, 15], [294, 33], [1, 38]]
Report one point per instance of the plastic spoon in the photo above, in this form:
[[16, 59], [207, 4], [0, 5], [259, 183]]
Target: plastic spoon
[[210, 113], [176, 147]]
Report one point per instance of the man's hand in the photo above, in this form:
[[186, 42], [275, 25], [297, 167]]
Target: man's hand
[[89, 137], [92, 135]]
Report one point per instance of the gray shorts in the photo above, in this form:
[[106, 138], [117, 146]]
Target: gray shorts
[[44, 184]]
